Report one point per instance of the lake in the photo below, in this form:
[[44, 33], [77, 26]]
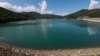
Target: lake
[[51, 33]]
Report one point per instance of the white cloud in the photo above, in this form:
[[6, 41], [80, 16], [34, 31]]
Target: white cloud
[[17, 8], [62, 14], [43, 6], [28, 8], [94, 4], [48, 12]]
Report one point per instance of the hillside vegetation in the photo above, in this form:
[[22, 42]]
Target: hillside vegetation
[[95, 13]]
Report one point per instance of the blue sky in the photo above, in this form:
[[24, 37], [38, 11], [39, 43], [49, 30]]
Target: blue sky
[[57, 6]]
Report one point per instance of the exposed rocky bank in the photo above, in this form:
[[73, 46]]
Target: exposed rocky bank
[[8, 50]]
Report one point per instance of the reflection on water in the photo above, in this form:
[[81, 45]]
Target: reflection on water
[[13, 24], [91, 31], [93, 27], [44, 28], [51, 33]]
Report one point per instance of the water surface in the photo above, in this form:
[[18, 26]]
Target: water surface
[[51, 33]]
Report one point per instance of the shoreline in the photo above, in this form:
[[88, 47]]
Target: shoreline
[[9, 50], [91, 19]]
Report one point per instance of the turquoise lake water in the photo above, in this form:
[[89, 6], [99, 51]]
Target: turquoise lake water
[[51, 33]]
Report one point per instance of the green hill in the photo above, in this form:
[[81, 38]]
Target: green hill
[[40, 16], [35, 14], [94, 13], [51, 16], [7, 15]]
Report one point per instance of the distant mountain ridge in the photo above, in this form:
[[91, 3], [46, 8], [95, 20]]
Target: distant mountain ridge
[[35, 14], [94, 13], [7, 15], [38, 15]]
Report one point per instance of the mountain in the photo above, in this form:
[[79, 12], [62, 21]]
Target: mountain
[[51, 16], [35, 14], [40, 16], [7, 15], [94, 13]]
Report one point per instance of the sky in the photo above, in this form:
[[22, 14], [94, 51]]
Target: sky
[[60, 7]]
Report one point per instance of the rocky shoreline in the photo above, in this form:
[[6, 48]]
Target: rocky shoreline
[[92, 19], [8, 50]]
